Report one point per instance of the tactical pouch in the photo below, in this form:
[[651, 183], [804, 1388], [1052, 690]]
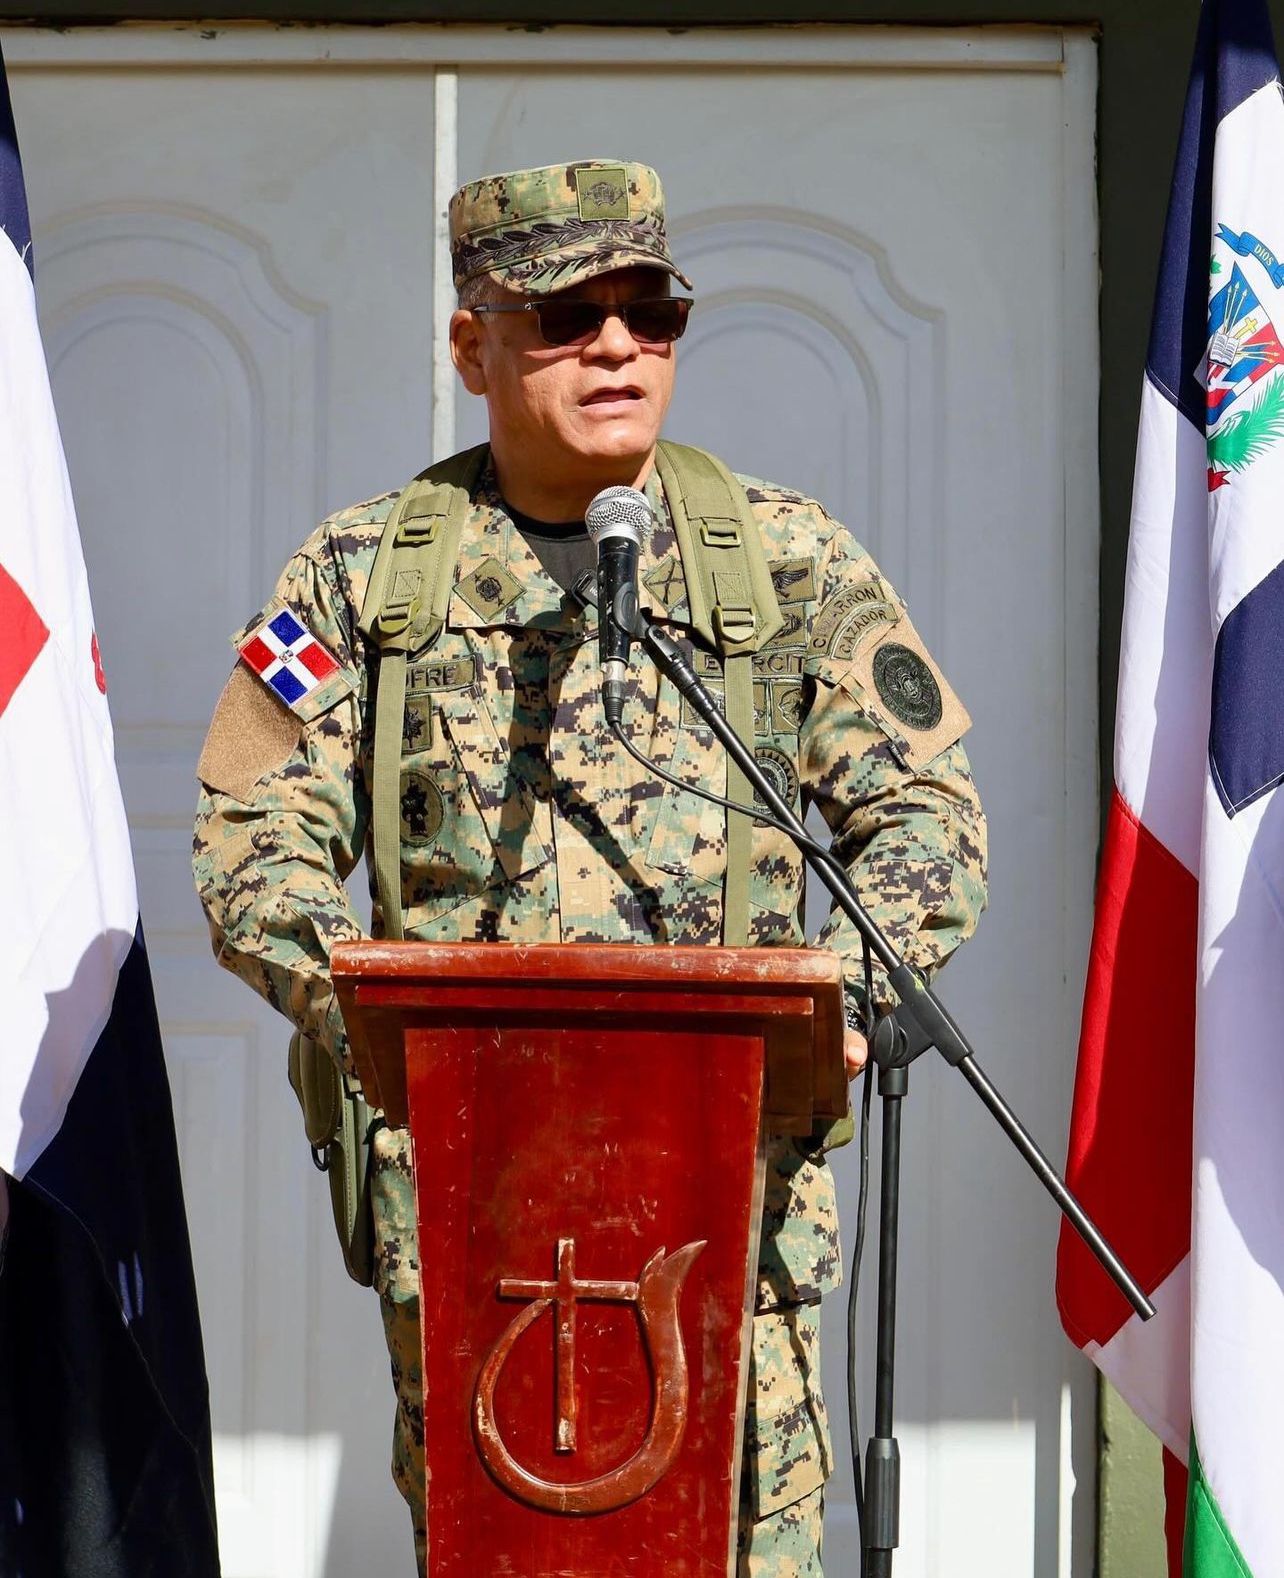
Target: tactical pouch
[[337, 1123]]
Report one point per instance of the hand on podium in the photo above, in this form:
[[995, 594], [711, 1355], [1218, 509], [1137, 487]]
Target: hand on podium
[[855, 1052]]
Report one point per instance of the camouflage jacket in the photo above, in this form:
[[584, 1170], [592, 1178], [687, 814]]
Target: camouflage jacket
[[522, 820]]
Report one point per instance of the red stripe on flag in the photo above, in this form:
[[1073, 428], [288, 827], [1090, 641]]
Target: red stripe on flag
[[317, 660], [257, 655], [1130, 1133], [1176, 1484], [24, 635]]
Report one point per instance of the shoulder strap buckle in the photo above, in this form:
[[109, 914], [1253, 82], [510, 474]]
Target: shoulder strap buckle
[[418, 531], [734, 624], [720, 534]]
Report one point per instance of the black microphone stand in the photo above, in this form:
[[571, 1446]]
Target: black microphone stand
[[918, 1021]]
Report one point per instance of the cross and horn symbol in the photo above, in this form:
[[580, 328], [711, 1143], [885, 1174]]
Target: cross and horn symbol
[[656, 1293]]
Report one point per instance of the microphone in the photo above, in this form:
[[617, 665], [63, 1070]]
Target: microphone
[[616, 520]]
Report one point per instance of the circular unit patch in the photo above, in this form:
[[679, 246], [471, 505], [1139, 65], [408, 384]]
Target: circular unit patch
[[422, 809], [906, 686], [780, 773]]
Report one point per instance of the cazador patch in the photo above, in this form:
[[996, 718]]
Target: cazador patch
[[845, 621], [849, 638]]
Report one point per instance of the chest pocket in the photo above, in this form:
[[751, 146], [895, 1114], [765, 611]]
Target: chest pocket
[[690, 836], [467, 819]]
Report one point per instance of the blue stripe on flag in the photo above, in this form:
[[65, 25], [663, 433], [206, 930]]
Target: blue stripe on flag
[[1246, 743], [14, 220], [285, 627], [112, 1447], [286, 686], [1235, 42]]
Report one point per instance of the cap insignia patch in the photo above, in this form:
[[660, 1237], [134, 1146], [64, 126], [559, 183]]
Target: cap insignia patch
[[602, 194]]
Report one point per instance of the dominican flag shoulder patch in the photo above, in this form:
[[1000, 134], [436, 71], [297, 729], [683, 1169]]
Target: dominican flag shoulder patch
[[291, 661]]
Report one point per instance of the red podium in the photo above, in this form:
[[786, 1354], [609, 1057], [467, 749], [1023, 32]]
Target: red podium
[[588, 1126]]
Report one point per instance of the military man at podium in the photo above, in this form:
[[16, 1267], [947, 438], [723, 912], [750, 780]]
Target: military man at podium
[[517, 817]]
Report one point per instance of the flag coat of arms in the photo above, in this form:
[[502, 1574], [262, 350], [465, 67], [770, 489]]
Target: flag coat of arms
[[1177, 1137], [104, 1411]]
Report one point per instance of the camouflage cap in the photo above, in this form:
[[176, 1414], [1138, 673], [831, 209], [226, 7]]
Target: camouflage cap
[[539, 231]]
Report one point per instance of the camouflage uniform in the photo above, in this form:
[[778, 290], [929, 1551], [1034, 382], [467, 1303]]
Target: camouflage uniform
[[523, 820]]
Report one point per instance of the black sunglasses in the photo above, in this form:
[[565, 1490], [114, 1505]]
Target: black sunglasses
[[574, 321]]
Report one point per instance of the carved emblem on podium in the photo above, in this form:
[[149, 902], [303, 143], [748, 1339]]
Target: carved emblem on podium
[[656, 1294]]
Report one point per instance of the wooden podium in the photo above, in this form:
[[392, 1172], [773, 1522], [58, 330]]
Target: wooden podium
[[588, 1125]]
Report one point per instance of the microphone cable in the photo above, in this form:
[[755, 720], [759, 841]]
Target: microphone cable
[[757, 813], [858, 1250]]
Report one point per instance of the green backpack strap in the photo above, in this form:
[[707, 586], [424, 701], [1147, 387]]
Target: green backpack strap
[[733, 606], [404, 612]]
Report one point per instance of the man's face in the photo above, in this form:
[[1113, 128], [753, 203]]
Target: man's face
[[580, 414]]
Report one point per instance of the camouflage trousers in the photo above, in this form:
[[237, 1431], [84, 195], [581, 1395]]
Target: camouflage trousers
[[787, 1451]]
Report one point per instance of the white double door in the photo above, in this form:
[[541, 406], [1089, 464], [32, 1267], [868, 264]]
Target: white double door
[[892, 237]]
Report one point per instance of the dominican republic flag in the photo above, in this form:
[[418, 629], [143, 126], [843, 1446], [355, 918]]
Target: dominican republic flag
[[1177, 1139], [104, 1409], [286, 655]]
